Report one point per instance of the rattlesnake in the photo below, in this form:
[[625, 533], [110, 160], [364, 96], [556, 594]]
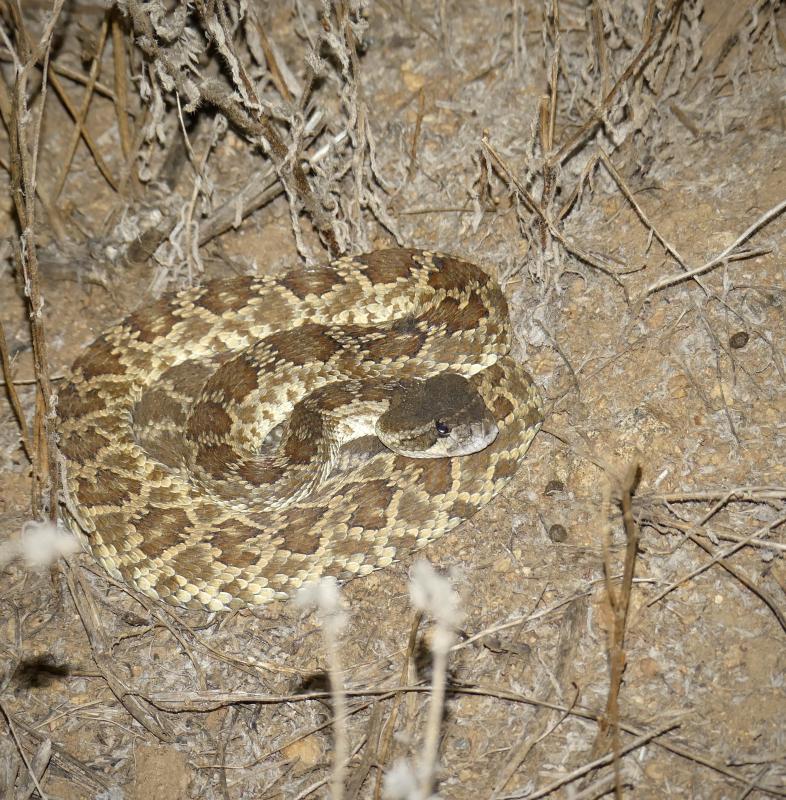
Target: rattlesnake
[[192, 482]]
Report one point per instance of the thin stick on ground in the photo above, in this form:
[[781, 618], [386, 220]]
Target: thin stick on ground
[[600, 762], [726, 255], [79, 122], [24, 149], [721, 560], [609, 730], [13, 396]]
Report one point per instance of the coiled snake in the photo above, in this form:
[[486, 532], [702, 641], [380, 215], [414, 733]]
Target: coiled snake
[[217, 441]]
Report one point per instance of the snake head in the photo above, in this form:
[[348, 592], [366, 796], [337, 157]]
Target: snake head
[[441, 416]]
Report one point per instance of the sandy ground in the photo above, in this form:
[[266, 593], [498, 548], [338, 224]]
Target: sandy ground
[[685, 380]]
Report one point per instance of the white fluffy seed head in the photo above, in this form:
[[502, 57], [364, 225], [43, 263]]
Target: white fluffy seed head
[[40, 544], [401, 782], [324, 595], [431, 593]]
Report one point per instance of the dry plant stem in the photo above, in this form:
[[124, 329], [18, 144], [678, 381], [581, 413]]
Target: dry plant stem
[[523, 749], [166, 617], [725, 255], [428, 761], [535, 615], [70, 765], [13, 396], [39, 765], [101, 651], [259, 129], [121, 84], [753, 494], [340, 715], [82, 128], [272, 63], [213, 699], [368, 759], [413, 151], [633, 69], [75, 76], [319, 784], [765, 597], [407, 675], [600, 762], [662, 521], [609, 729], [536, 208], [30, 770], [82, 113], [24, 162]]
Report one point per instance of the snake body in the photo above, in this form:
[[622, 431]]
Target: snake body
[[195, 437]]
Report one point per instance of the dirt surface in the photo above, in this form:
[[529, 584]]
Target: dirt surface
[[685, 380]]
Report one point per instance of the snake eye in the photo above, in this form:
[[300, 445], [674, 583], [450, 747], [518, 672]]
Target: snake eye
[[442, 429]]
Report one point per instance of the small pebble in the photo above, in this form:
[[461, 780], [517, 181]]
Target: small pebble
[[553, 487], [738, 340], [557, 533]]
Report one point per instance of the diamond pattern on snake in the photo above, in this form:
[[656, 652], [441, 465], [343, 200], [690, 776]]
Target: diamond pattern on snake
[[229, 443]]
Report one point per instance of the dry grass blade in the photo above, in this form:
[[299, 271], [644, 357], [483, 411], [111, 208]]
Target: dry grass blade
[[721, 556], [13, 396], [24, 148], [600, 762], [727, 254], [81, 114], [210, 700], [623, 486]]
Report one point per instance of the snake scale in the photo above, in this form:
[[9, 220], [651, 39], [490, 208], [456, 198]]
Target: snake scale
[[212, 438]]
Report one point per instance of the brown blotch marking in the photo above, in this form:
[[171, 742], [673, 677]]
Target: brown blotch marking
[[301, 443], [195, 564], [220, 296], [107, 488], [494, 373], [533, 417], [502, 407], [162, 495], [157, 404], [462, 509], [388, 266], [260, 472], [151, 322], [72, 404], [80, 447], [188, 376], [99, 359], [296, 530], [236, 542], [437, 477], [215, 459], [168, 448], [208, 418], [160, 528], [347, 547], [397, 345], [452, 273], [235, 379], [456, 316], [505, 469], [305, 282], [371, 501], [120, 460], [304, 345], [334, 396]]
